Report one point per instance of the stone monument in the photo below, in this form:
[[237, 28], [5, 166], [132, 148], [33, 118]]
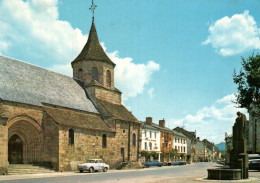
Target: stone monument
[[238, 156]]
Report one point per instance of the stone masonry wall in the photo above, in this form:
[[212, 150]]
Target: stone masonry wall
[[3, 150], [88, 145], [107, 95], [87, 66], [51, 142]]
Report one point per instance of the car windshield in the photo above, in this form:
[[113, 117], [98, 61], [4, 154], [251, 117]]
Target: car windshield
[[91, 161]]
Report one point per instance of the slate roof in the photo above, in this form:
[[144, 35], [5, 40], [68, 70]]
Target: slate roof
[[178, 133], [96, 83], [118, 111], [25, 83], [191, 135], [93, 50], [77, 119], [162, 128], [146, 126]]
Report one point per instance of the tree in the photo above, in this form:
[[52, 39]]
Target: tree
[[248, 81], [154, 155]]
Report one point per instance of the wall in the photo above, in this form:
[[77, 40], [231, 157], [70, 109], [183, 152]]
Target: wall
[[88, 145], [3, 150], [147, 139], [178, 142]]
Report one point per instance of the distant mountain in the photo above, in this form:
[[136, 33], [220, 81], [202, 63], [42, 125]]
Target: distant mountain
[[221, 146]]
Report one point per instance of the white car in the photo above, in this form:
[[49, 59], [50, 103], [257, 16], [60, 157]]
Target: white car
[[93, 165]]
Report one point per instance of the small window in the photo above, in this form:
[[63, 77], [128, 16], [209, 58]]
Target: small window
[[94, 74], [123, 131], [150, 134], [108, 78], [134, 139], [183, 149], [151, 146], [155, 135], [104, 141], [145, 133], [145, 145], [80, 74], [71, 137]]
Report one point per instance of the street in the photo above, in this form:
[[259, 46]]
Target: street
[[172, 174]]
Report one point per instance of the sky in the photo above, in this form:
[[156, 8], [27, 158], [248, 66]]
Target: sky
[[174, 59]]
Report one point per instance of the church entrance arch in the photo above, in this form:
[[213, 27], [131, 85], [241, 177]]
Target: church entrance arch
[[15, 150], [24, 141]]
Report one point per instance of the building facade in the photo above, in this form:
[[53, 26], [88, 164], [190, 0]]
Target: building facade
[[191, 141], [54, 120], [150, 138], [180, 144]]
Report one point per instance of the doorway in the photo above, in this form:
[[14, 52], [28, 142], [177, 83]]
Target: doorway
[[15, 150], [123, 154]]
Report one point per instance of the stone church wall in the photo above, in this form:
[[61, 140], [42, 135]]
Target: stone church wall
[[88, 145], [107, 95], [51, 142], [3, 150]]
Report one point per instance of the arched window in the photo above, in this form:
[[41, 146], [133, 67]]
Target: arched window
[[80, 74], [104, 141], [108, 78], [134, 139], [71, 137], [94, 73]]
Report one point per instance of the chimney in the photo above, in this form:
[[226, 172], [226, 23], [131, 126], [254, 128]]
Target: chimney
[[162, 123], [149, 121]]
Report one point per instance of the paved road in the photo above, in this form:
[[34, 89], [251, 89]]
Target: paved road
[[173, 174]]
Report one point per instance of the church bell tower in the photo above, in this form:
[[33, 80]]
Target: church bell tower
[[95, 69]]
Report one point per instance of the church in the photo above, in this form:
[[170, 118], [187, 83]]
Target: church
[[50, 119]]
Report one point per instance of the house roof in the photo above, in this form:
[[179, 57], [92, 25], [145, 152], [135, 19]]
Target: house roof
[[191, 135], [161, 128], [25, 83], [77, 119], [178, 133], [146, 126], [118, 111], [93, 50]]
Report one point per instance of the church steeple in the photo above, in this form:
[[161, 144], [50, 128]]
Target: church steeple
[[95, 69], [93, 50]]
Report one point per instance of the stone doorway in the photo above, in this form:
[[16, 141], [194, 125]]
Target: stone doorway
[[15, 150], [123, 154]]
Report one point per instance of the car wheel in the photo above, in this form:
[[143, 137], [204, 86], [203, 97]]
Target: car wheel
[[105, 169], [169, 164], [91, 170], [147, 166], [160, 165], [81, 171]]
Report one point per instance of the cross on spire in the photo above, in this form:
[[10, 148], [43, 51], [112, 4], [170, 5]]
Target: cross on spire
[[92, 8]]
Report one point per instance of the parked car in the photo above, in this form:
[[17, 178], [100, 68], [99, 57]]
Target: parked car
[[176, 162], [153, 163], [93, 165], [254, 161]]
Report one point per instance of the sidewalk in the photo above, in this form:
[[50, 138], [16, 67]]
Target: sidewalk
[[64, 174]]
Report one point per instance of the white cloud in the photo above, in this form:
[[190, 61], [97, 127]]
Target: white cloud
[[35, 26], [212, 122], [130, 77], [150, 93], [230, 36]]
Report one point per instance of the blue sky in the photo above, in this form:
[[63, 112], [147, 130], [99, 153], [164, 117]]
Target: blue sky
[[175, 59]]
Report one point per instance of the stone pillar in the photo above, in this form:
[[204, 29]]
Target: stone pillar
[[159, 156], [3, 150]]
